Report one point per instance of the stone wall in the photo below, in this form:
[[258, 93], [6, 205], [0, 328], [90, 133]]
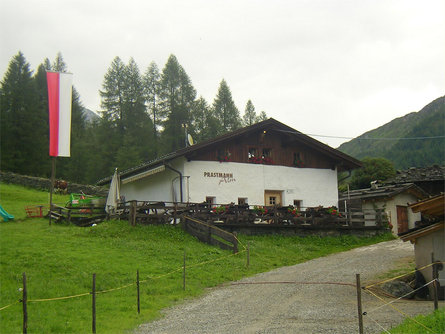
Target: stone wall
[[44, 184]]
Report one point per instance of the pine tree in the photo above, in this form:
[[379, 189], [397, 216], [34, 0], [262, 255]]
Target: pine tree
[[59, 64], [152, 89], [261, 117], [204, 123], [21, 137], [43, 125], [250, 116], [177, 95], [138, 136], [225, 110], [125, 121], [112, 94]]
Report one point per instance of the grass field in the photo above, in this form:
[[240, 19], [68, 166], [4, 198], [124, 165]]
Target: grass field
[[59, 260], [435, 322]]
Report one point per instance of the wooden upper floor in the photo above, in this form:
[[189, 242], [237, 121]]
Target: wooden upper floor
[[269, 147]]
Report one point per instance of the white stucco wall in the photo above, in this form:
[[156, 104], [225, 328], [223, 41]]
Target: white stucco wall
[[312, 186], [163, 186], [427, 245]]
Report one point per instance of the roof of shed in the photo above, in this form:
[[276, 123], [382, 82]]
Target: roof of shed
[[383, 192], [345, 161]]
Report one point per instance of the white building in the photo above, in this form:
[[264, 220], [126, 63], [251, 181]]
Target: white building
[[267, 163]]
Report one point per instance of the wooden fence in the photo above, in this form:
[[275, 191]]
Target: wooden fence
[[210, 234], [171, 213], [79, 215]]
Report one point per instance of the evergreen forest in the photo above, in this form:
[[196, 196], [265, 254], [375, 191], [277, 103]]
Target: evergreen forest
[[144, 115]]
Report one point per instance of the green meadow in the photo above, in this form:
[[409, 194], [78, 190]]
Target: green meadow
[[59, 261]]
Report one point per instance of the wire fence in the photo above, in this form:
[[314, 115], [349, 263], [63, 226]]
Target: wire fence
[[434, 283], [24, 300], [369, 289]]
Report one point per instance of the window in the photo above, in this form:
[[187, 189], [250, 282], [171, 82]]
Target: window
[[298, 159], [242, 201], [297, 204], [267, 156], [260, 156], [210, 199], [223, 155], [267, 153], [252, 152], [272, 200]]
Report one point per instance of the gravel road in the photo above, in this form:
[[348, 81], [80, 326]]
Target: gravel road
[[260, 304]]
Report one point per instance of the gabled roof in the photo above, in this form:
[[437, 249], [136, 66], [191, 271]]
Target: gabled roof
[[381, 192], [345, 161]]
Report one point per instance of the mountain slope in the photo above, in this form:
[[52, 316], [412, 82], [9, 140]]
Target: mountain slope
[[428, 122], [90, 116]]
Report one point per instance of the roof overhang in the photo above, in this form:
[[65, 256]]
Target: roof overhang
[[146, 173], [434, 206], [418, 233]]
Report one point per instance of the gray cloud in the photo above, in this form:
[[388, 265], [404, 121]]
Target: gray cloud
[[323, 67]]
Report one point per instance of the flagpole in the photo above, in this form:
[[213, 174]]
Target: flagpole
[[53, 179]]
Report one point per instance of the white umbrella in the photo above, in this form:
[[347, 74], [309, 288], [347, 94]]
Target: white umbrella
[[113, 193]]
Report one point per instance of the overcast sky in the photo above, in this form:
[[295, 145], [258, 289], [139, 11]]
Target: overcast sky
[[334, 68]]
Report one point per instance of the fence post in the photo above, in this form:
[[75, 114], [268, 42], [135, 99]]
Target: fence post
[[93, 292], [235, 243], [184, 223], [25, 310], [359, 303], [209, 234], [435, 288], [248, 254], [139, 298], [183, 274], [133, 210]]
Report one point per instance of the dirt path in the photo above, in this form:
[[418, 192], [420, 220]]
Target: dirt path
[[261, 305]]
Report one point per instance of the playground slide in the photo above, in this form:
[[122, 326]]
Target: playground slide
[[6, 216]]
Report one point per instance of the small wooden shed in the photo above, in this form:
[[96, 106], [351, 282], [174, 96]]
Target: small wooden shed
[[393, 199]]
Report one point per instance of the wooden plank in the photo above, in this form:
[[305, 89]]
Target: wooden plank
[[216, 242]]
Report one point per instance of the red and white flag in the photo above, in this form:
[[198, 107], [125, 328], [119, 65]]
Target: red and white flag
[[59, 101]]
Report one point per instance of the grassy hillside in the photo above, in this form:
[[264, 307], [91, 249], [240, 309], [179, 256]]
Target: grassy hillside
[[428, 122], [59, 260], [435, 322]]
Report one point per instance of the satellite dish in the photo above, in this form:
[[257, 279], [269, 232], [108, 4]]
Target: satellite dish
[[190, 139]]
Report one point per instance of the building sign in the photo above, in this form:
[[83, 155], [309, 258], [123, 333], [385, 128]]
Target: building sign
[[223, 177]]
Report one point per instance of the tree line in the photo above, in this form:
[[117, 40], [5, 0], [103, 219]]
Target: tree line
[[144, 115]]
